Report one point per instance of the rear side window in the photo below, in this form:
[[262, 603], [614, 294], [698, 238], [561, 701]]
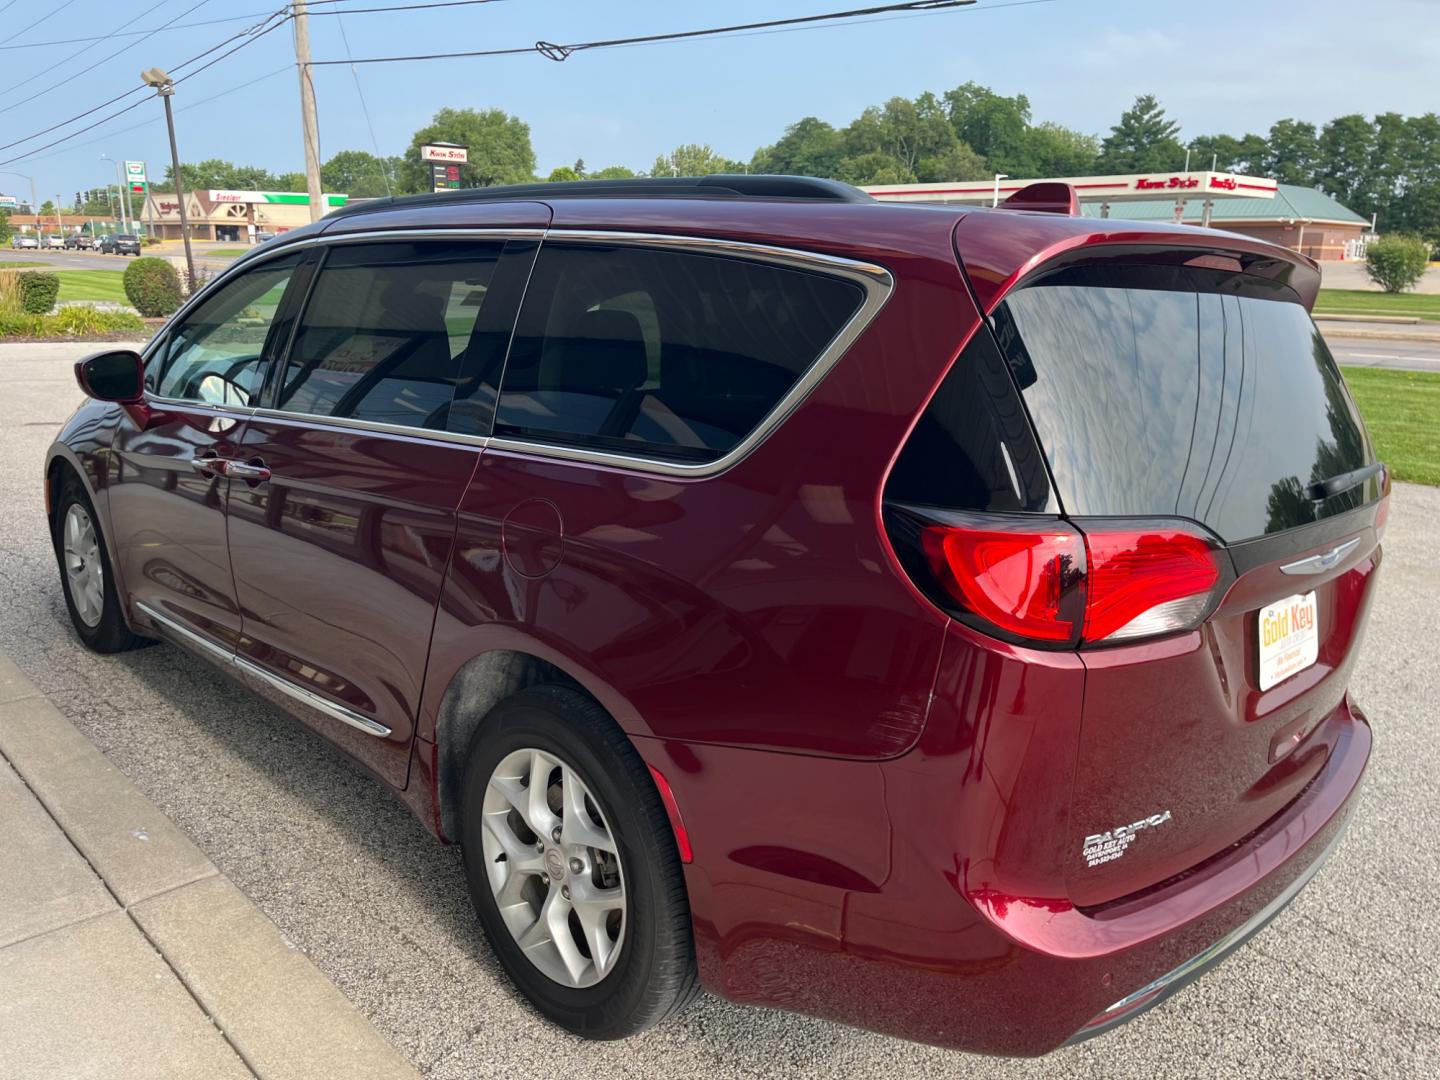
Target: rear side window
[[669, 354], [385, 331], [1172, 391]]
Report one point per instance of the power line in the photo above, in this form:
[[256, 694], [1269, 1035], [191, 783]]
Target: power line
[[179, 109], [252, 36], [365, 109], [140, 89], [135, 33], [82, 51], [402, 7], [48, 15], [557, 52]]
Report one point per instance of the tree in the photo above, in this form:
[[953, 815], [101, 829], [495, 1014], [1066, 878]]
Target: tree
[[47, 208], [1396, 262], [1055, 150], [5, 230], [909, 132], [563, 173], [294, 181], [613, 172], [809, 147], [359, 174], [1344, 151], [1143, 141], [693, 159], [994, 126], [499, 145], [957, 163], [1291, 152], [874, 167], [1229, 154]]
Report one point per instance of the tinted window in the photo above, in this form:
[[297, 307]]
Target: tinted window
[[972, 448], [1194, 399], [385, 331], [214, 354], [666, 353]]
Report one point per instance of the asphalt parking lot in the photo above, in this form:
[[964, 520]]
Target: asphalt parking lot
[[1342, 983]]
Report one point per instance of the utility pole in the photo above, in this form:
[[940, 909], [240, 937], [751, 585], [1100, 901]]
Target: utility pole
[[309, 123], [121, 193], [165, 90]]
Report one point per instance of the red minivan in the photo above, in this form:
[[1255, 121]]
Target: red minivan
[[937, 620]]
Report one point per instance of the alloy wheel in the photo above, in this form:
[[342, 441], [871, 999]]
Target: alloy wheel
[[554, 867], [83, 568]]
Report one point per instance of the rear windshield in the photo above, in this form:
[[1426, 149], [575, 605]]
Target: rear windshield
[[1171, 391]]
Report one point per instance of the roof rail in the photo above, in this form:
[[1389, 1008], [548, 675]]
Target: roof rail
[[722, 185], [1049, 197]]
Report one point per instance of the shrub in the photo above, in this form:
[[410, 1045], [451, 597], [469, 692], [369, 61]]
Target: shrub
[[82, 320], [77, 320], [38, 290], [153, 286], [1396, 262]]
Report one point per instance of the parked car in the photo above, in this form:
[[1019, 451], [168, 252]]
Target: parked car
[[80, 242], [120, 244], [55, 242], [20, 241], [935, 619]]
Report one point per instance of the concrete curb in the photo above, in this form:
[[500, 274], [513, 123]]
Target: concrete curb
[[124, 952], [1380, 335]]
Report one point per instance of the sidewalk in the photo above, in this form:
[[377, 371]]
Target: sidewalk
[[1424, 331], [125, 953]]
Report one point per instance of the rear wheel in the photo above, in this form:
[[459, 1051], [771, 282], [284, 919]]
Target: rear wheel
[[85, 574], [572, 866]]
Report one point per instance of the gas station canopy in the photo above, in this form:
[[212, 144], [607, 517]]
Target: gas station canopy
[[1128, 187]]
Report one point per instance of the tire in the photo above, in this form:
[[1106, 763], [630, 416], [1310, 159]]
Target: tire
[[94, 612], [650, 970]]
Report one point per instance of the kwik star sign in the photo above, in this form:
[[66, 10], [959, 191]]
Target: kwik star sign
[[445, 160]]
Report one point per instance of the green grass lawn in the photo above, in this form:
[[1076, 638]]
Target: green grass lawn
[[92, 285], [1360, 302], [1402, 411], [227, 253], [19, 264]]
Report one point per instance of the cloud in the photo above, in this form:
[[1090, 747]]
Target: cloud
[[1111, 46]]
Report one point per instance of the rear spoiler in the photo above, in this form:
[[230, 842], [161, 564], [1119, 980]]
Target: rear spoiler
[[1049, 198], [998, 251]]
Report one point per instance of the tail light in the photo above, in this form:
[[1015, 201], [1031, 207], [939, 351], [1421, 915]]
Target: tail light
[[1053, 584]]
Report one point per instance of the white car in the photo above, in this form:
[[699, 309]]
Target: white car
[[19, 242], [55, 241]]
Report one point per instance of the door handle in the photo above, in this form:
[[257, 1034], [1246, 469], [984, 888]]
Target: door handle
[[254, 471], [209, 466]]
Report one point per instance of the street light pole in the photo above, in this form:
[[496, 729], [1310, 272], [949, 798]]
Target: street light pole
[[120, 193], [995, 200], [165, 90]]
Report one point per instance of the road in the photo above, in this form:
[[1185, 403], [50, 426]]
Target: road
[[94, 260], [1387, 353], [1342, 983]]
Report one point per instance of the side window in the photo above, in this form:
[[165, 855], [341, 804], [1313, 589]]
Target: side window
[[216, 354], [385, 332], [670, 354]]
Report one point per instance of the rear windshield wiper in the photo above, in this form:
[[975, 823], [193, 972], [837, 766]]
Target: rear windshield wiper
[[1326, 489]]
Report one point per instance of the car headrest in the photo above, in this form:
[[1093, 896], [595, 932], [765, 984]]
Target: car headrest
[[604, 353]]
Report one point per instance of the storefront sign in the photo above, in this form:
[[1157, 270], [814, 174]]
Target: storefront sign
[[1146, 183], [445, 152]]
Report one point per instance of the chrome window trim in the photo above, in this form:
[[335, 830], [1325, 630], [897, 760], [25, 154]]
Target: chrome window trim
[[285, 686], [876, 281]]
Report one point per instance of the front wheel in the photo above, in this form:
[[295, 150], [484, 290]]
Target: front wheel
[[85, 574], [573, 868]]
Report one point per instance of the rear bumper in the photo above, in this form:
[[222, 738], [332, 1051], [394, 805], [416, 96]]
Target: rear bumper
[[854, 900], [1153, 993]]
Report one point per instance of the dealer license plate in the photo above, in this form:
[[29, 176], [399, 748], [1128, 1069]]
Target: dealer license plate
[[1289, 638]]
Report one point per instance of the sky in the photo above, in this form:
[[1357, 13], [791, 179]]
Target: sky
[[1216, 67]]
